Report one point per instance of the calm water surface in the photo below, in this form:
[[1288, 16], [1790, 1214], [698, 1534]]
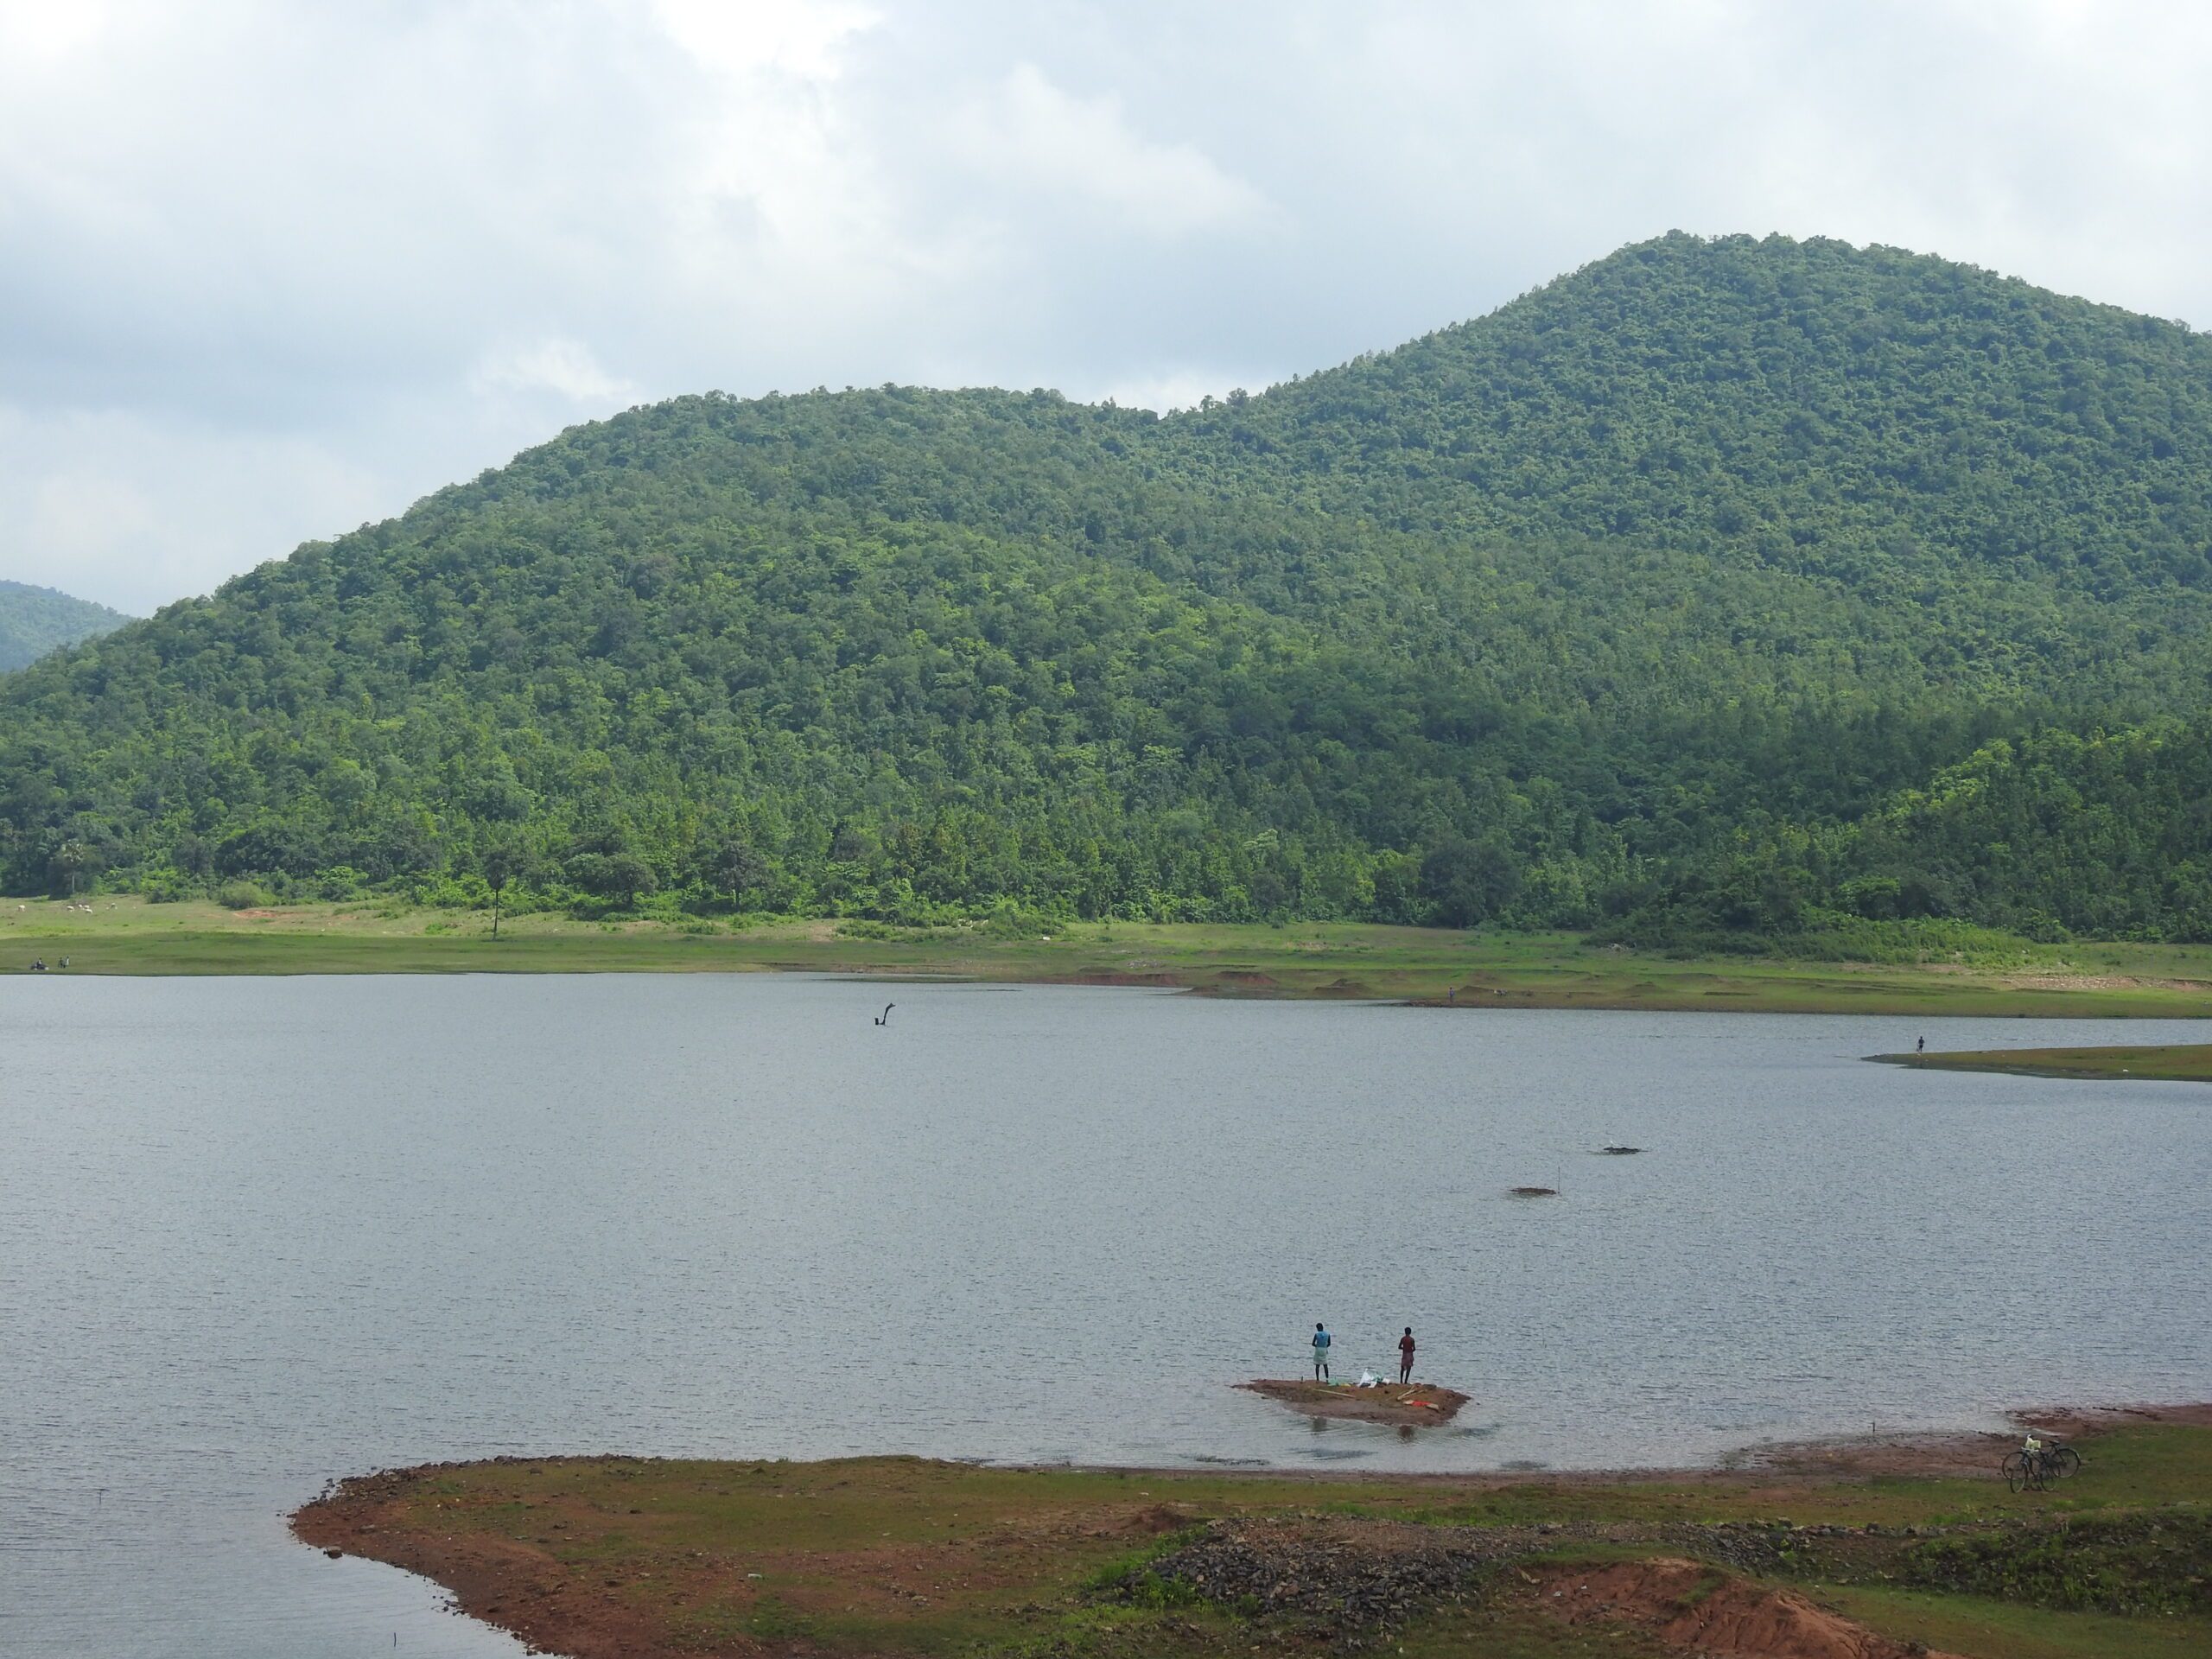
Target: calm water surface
[[257, 1233]]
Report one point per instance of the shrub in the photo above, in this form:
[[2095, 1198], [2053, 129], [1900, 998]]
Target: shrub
[[166, 885]]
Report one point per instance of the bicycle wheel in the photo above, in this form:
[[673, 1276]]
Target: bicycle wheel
[[2018, 1470], [2064, 1460]]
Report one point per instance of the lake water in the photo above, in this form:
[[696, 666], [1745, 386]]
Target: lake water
[[257, 1233]]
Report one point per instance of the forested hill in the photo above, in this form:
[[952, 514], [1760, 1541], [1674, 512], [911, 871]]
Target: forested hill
[[34, 620], [1545, 618], [1871, 415]]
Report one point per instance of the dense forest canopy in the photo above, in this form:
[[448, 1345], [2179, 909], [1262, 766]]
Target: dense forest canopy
[[34, 620], [1716, 589]]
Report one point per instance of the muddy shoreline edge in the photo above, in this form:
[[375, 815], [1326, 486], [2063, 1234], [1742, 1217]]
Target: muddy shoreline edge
[[525, 1587]]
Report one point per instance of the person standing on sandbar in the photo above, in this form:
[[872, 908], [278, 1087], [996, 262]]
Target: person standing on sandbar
[[1320, 1353], [1406, 1356]]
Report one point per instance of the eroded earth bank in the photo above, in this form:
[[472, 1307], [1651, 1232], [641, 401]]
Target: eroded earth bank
[[1871, 1550]]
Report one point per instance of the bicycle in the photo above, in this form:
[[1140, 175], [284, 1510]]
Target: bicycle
[[2037, 1463]]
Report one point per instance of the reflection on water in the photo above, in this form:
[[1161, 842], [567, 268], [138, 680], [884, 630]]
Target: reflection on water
[[255, 1233]]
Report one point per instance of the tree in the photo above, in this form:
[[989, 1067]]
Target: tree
[[1468, 882], [70, 860], [614, 876], [735, 865], [1396, 884], [502, 862], [193, 856]]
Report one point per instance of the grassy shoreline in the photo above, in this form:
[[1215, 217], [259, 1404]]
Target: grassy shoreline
[[1314, 960], [1918, 1541], [2153, 1063]]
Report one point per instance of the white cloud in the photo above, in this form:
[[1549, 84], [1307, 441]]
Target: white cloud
[[135, 512], [48, 33], [741, 38], [82, 516], [564, 368], [268, 267], [1038, 136]]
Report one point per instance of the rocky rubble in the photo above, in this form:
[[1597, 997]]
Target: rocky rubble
[[1341, 1582], [1352, 1582]]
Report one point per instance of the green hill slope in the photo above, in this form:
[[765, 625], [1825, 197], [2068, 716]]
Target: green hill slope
[[1520, 622], [34, 620], [1870, 415]]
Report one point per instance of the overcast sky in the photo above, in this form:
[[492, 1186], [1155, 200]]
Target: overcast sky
[[272, 267]]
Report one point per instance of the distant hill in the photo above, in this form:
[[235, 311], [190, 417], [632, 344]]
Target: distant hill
[[34, 620], [1543, 620]]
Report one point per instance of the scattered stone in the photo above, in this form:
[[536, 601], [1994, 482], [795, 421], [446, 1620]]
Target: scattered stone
[[1347, 1584]]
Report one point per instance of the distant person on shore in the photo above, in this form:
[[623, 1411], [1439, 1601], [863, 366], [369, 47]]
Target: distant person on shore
[[1320, 1353], [1920, 1046], [1406, 1356]]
